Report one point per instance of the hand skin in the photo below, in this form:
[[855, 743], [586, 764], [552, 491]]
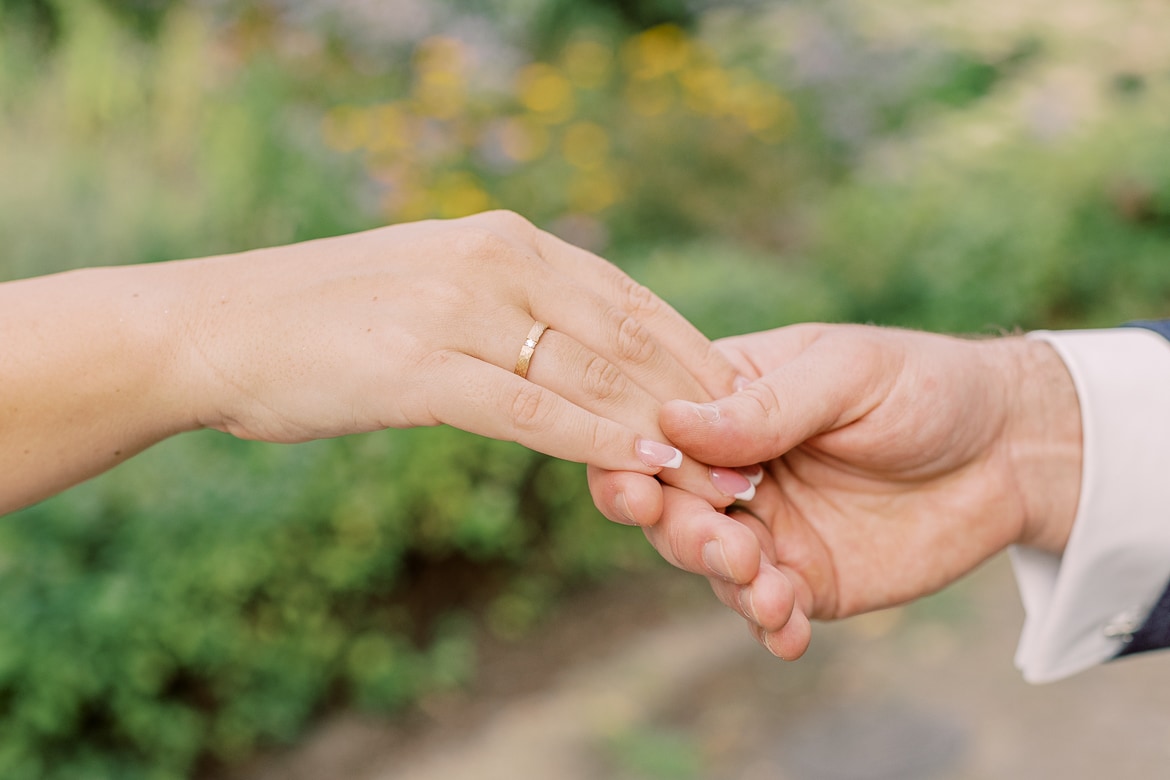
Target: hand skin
[[895, 461], [414, 324]]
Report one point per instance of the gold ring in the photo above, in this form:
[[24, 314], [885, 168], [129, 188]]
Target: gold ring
[[538, 329]]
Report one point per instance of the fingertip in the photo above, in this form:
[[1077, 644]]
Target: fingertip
[[622, 512], [685, 415], [790, 642], [690, 425], [716, 433], [772, 599], [643, 498], [626, 497], [741, 552], [657, 455], [754, 474]]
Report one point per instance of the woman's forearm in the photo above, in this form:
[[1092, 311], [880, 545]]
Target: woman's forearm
[[87, 375]]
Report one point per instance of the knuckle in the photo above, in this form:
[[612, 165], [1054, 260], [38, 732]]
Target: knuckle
[[637, 298], [479, 244], [509, 222], [446, 294], [634, 342], [600, 437], [530, 407], [763, 395], [603, 379]]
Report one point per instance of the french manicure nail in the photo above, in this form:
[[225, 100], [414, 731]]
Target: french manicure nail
[[754, 474], [730, 482], [656, 454], [740, 383], [707, 412], [715, 558]]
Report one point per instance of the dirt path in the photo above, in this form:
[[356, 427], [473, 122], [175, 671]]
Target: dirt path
[[922, 693]]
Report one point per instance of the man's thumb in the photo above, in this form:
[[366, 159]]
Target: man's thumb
[[815, 392]]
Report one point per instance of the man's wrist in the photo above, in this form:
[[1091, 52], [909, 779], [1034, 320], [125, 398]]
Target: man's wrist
[[1043, 438]]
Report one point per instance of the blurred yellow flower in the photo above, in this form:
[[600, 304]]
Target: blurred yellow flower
[[439, 53], [429, 150], [439, 67], [656, 52], [390, 129], [410, 207], [587, 63], [706, 89], [346, 128], [440, 93], [523, 139], [457, 194], [585, 145], [758, 106], [650, 98], [594, 191], [546, 92]]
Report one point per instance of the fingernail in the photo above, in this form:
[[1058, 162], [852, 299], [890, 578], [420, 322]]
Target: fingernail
[[754, 474], [707, 412], [747, 603], [768, 644], [656, 454], [740, 383], [730, 482], [715, 558], [623, 509]]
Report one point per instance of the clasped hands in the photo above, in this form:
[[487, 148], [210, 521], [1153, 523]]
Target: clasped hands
[[809, 472]]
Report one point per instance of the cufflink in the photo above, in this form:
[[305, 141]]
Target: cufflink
[[1125, 625]]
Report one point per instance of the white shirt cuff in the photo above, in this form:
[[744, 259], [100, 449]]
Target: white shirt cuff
[[1082, 605]]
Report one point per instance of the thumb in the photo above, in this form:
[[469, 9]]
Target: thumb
[[833, 382]]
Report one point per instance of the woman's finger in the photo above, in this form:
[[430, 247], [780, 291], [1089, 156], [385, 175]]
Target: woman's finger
[[620, 336], [468, 393], [578, 293], [691, 349], [579, 375]]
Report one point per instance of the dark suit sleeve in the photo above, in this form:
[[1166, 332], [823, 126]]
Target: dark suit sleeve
[[1154, 633]]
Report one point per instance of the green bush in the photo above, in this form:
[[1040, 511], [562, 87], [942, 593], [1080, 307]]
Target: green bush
[[159, 619], [1027, 231]]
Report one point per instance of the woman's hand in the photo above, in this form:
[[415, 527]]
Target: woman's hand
[[414, 324]]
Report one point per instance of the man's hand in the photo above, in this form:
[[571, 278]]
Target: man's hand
[[895, 463]]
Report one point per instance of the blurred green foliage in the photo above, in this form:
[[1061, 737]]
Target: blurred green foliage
[[756, 166], [654, 754]]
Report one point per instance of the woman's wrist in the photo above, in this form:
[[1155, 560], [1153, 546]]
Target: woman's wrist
[[159, 325], [139, 320]]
